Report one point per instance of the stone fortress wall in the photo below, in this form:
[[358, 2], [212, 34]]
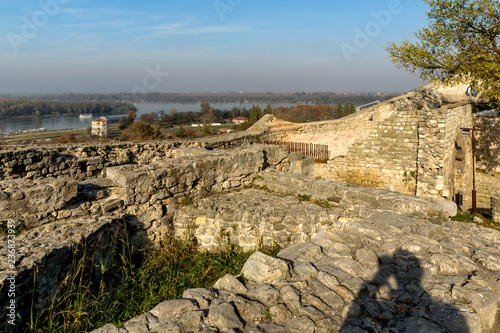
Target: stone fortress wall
[[410, 144]]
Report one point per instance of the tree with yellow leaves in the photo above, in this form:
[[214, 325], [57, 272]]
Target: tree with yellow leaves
[[461, 44]]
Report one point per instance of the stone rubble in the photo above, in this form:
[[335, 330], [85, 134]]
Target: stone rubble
[[87, 160]]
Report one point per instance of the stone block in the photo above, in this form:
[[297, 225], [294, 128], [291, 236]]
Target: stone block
[[173, 308], [261, 268], [223, 316]]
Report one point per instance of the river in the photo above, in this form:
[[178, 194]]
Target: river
[[70, 122]]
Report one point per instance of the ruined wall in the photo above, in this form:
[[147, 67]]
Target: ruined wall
[[187, 196], [29, 202], [92, 212], [338, 134], [385, 158], [152, 193], [376, 147], [355, 201], [252, 219], [440, 139], [83, 161], [488, 143]]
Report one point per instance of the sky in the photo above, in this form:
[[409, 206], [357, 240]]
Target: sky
[[111, 46]]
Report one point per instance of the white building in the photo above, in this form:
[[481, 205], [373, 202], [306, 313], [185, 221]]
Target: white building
[[100, 127]]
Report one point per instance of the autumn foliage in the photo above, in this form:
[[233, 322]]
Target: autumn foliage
[[307, 113], [140, 130]]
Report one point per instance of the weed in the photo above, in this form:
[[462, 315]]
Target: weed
[[186, 200], [322, 203], [206, 192], [304, 197], [154, 190], [272, 251], [268, 315], [409, 176], [4, 230]]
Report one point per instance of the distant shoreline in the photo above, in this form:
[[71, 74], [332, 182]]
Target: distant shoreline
[[57, 115]]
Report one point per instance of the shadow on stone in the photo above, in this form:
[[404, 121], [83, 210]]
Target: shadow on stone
[[395, 301]]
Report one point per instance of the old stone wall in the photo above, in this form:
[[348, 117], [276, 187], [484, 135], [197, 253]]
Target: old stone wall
[[411, 144], [62, 216], [385, 158], [192, 195], [488, 143], [252, 219], [296, 210], [151, 193], [30, 202], [83, 161], [444, 152]]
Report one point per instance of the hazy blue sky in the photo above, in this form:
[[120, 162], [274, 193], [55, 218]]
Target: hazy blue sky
[[52, 46]]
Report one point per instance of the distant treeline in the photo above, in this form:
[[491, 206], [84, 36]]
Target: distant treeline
[[328, 98], [32, 107], [308, 113], [297, 113]]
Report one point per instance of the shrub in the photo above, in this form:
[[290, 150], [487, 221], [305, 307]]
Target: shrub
[[68, 138], [142, 131]]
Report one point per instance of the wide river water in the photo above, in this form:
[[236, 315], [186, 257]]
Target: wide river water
[[70, 122]]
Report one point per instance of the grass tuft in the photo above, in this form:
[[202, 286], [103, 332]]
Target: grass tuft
[[469, 218], [322, 203], [304, 197]]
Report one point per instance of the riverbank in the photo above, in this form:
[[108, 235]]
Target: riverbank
[[21, 138]]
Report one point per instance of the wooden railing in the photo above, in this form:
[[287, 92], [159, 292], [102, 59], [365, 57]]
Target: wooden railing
[[319, 152]]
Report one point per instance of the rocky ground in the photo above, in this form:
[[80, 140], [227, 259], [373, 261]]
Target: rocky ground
[[385, 273]]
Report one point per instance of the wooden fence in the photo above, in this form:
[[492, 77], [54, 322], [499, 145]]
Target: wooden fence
[[319, 152]]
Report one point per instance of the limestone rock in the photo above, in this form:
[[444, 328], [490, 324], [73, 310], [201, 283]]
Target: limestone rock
[[250, 311], [191, 321], [202, 296], [137, 324], [280, 314], [170, 309], [230, 283], [300, 325], [261, 268], [264, 293], [301, 252], [223, 316], [291, 297]]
